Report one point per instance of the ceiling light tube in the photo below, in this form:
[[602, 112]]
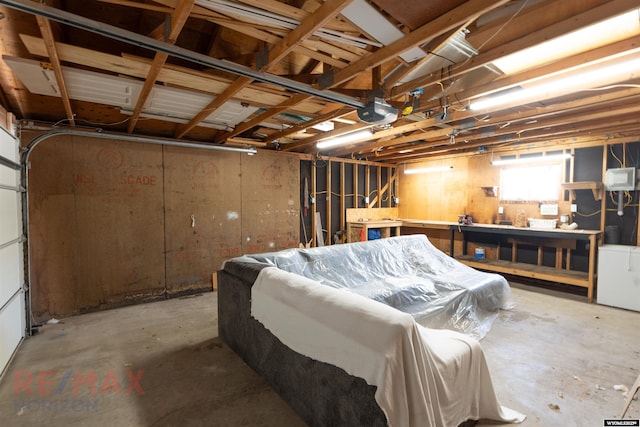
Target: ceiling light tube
[[561, 86], [345, 139], [537, 159], [429, 169]]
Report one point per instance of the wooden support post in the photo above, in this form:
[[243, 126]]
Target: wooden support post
[[314, 171], [328, 218], [539, 255], [367, 183], [343, 210], [379, 192], [355, 186]]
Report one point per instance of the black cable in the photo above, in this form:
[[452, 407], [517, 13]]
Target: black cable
[[441, 56]]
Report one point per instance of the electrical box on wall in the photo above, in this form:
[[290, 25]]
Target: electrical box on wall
[[620, 179]]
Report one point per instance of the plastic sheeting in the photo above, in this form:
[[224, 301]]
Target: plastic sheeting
[[407, 273]]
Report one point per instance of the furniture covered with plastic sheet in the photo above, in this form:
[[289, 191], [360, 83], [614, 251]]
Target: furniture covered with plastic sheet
[[319, 340]]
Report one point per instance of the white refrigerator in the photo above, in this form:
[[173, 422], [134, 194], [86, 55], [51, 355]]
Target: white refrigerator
[[619, 276]]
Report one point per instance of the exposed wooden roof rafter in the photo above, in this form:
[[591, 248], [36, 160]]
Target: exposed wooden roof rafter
[[50, 44], [178, 19], [588, 17], [224, 59]]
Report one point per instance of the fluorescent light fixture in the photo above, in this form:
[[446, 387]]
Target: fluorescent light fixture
[[327, 126], [565, 85], [366, 17], [536, 159], [298, 119], [164, 103], [606, 32], [345, 139], [429, 169]]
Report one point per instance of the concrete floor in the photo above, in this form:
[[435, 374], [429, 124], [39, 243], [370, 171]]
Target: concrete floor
[[553, 357]]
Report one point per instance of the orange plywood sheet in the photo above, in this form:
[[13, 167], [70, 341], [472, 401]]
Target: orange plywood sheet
[[436, 196], [202, 206], [116, 222], [270, 202], [96, 232]]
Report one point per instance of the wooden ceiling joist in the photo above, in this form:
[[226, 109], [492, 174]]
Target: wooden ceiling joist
[[178, 19], [298, 50], [453, 19], [50, 44], [608, 101], [283, 47], [581, 20]]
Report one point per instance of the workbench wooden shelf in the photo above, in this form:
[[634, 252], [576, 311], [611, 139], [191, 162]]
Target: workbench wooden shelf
[[595, 187], [564, 241], [532, 271]]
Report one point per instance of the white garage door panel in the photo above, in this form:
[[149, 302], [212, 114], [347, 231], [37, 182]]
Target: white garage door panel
[[10, 265], [9, 150], [8, 146], [8, 216], [12, 301], [12, 325], [9, 177]]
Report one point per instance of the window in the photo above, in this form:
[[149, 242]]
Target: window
[[530, 183]]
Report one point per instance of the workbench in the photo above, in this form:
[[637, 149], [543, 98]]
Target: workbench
[[427, 224], [564, 241]]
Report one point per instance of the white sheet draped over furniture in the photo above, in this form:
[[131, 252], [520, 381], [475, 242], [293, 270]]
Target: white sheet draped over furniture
[[424, 377]]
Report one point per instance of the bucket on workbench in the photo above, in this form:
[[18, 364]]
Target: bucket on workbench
[[480, 253]]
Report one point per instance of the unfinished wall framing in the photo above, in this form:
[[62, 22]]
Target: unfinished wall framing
[[443, 195], [336, 185], [621, 229]]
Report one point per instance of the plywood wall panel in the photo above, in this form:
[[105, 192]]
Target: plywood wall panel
[[119, 219], [437, 196], [114, 222], [270, 202], [444, 195], [202, 206], [373, 214], [96, 224], [483, 208], [51, 232]]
